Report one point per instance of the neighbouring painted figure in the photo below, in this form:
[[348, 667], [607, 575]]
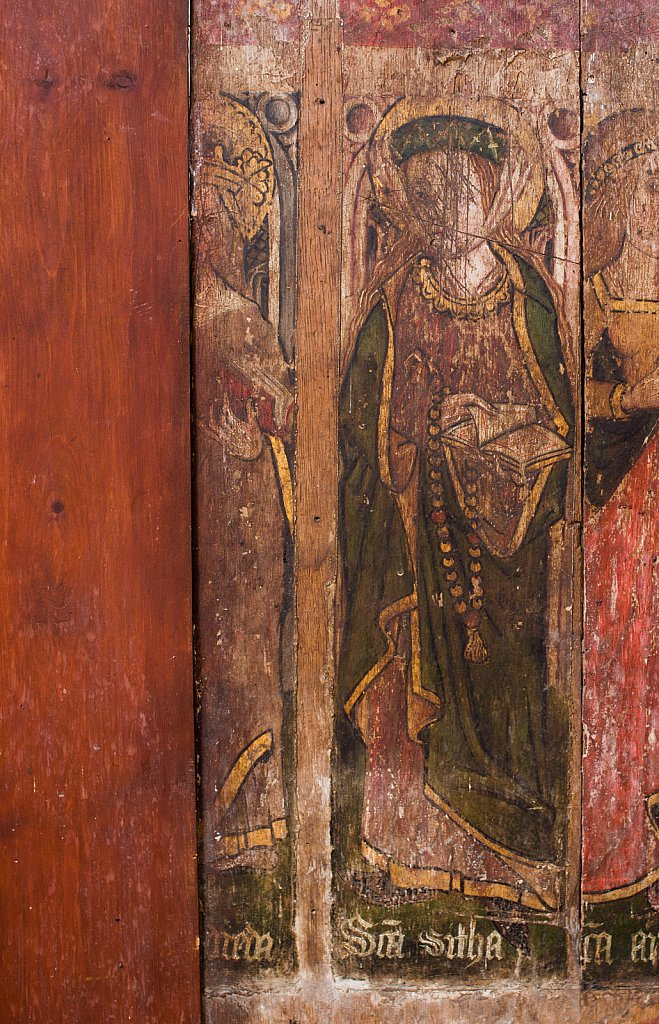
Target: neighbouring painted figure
[[244, 408], [456, 430], [621, 669]]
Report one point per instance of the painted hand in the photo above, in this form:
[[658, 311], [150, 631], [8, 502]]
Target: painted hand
[[644, 395], [243, 439], [456, 407]]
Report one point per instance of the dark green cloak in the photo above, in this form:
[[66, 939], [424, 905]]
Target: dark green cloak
[[496, 755], [613, 446]]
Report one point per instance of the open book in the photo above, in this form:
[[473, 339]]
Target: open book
[[508, 434]]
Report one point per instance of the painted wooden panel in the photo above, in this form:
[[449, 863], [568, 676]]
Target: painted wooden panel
[[458, 712], [431, 725], [97, 860], [404, 808], [245, 202], [534, 25], [621, 680]]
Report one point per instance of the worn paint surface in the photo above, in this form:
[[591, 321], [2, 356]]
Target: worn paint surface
[[341, 152], [432, 743], [534, 25], [245, 198], [621, 707], [449, 680]]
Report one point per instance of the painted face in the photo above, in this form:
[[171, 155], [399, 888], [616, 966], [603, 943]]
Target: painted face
[[643, 215], [444, 193]]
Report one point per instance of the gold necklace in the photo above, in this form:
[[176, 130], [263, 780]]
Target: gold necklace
[[462, 309]]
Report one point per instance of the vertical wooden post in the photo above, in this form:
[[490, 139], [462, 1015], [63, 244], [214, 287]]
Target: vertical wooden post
[[317, 356]]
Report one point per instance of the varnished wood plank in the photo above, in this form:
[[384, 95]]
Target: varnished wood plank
[[97, 861]]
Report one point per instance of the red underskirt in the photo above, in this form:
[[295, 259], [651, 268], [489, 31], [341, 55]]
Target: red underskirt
[[621, 682]]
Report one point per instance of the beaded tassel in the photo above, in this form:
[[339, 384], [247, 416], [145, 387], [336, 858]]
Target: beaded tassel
[[468, 607]]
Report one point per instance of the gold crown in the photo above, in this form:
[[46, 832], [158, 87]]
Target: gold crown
[[240, 165]]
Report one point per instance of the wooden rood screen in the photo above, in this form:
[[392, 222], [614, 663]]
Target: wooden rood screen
[[426, 347], [423, 576]]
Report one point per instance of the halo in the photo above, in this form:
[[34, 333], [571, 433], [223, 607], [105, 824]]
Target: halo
[[238, 161], [490, 113], [614, 143]]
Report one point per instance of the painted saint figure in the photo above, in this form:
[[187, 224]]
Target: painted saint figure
[[244, 409], [456, 431], [621, 667]]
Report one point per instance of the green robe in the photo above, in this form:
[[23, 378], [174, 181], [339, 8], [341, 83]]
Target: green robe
[[496, 754]]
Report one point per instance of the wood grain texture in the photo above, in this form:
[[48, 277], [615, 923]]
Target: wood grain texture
[[319, 247], [624, 27], [542, 82], [535, 1005], [620, 870], [97, 861], [533, 25], [242, 529], [539, 86]]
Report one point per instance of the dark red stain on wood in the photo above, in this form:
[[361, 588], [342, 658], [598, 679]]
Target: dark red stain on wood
[[618, 27], [231, 23], [532, 25], [97, 858]]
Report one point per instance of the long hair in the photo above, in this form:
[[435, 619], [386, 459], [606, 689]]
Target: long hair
[[605, 226], [500, 184]]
